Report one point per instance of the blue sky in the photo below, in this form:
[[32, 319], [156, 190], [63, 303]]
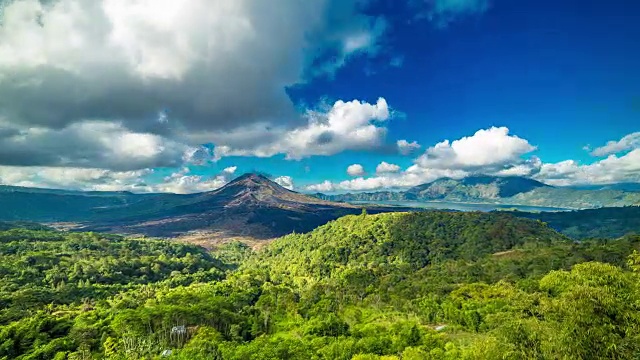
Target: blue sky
[[544, 89]]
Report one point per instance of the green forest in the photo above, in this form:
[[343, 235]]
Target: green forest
[[422, 285]]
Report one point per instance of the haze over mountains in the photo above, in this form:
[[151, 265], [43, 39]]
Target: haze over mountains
[[503, 190]]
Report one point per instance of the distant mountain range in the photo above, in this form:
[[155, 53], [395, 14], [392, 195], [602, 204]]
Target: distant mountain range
[[250, 206], [620, 186], [254, 207], [503, 190]]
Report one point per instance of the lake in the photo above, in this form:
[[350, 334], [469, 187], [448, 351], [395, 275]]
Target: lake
[[459, 206]]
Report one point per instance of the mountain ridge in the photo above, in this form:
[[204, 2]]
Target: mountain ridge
[[254, 207], [512, 190], [250, 206]]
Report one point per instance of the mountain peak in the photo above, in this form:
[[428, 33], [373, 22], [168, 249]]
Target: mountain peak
[[477, 187], [252, 177], [254, 188], [251, 183]]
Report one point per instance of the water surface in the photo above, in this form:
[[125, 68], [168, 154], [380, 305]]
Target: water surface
[[460, 206]]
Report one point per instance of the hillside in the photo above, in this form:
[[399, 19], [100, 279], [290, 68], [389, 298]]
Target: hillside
[[409, 286], [41, 267], [412, 239], [501, 190], [251, 207], [474, 188], [575, 199], [591, 223], [615, 186], [50, 205]]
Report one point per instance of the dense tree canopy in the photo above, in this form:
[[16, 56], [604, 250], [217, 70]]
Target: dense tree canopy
[[610, 222], [52, 268], [432, 285]]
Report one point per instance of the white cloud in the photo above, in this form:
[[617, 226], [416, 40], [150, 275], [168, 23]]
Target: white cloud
[[407, 148], [90, 144], [325, 186], [285, 181], [180, 70], [230, 170], [488, 148], [629, 142], [127, 85], [355, 170], [91, 179], [379, 182], [74, 178], [492, 151], [182, 182], [527, 168], [413, 176], [352, 125], [385, 167], [198, 47], [613, 169]]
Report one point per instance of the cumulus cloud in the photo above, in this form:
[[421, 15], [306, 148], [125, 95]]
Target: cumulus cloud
[[490, 151], [183, 182], [613, 169], [352, 125], [92, 179], [128, 85], [407, 148], [622, 164], [490, 148], [230, 170], [74, 178], [176, 70], [385, 167], [529, 167], [285, 181], [413, 176], [355, 170], [130, 59], [405, 180], [325, 186], [91, 144], [628, 142], [495, 152]]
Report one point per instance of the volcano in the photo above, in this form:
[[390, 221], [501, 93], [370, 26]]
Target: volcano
[[250, 206], [257, 190]]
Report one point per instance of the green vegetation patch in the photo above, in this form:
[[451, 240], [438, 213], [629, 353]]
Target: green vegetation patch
[[432, 285]]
